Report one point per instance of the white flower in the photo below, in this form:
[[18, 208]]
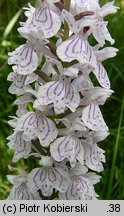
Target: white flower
[[99, 29], [47, 178], [105, 53], [108, 8], [23, 101], [99, 71], [94, 156], [45, 19], [20, 82], [61, 93], [70, 71], [83, 80], [67, 147], [28, 10], [79, 6], [81, 187], [20, 190], [97, 95], [93, 119], [101, 33], [25, 58], [96, 136], [77, 46], [36, 125], [32, 36], [22, 147]]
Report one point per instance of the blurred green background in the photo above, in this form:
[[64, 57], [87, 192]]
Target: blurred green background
[[112, 183]]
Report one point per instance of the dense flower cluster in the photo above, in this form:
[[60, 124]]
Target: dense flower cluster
[[58, 121]]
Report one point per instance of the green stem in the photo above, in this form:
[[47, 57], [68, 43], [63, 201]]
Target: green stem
[[112, 173], [52, 48], [67, 4], [66, 27], [39, 148], [44, 76]]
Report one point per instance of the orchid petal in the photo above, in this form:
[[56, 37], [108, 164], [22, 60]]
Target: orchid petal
[[60, 93], [47, 131], [20, 82], [48, 178], [97, 95], [108, 8], [24, 99], [22, 192], [78, 170], [36, 125], [17, 87], [81, 188], [67, 147], [25, 58], [29, 10], [76, 48], [106, 53], [98, 136], [22, 147], [72, 97], [82, 82], [101, 33], [93, 119], [94, 156], [102, 76], [84, 5], [46, 20], [70, 20], [93, 177], [70, 71]]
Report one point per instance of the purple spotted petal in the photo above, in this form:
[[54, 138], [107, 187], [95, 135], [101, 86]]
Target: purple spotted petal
[[102, 76], [71, 21], [60, 93], [76, 48], [52, 92], [25, 58], [67, 147], [78, 6], [22, 192], [22, 147], [101, 33], [97, 94], [20, 81], [94, 156], [93, 119], [28, 124], [72, 97], [46, 20], [48, 178], [47, 131], [35, 125], [17, 87], [81, 188]]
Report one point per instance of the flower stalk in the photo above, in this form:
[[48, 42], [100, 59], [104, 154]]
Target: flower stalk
[[66, 27]]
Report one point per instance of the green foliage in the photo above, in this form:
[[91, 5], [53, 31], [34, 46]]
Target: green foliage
[[112, 182]]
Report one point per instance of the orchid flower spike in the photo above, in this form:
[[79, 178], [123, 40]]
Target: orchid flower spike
[[58, 122]]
